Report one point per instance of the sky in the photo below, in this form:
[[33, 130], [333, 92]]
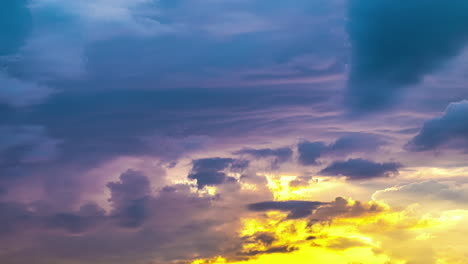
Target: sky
[[233, 131]]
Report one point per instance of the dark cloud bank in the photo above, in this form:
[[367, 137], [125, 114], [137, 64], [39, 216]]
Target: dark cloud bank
[[359, 169], [448, 131], [396, 43]]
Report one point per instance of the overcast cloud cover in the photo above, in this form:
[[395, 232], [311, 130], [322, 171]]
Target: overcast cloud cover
[[156, 131]]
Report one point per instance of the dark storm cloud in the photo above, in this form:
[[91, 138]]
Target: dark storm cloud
[[310, 152], [296, 209], [358, 169], [396, 43], [212, 171], [448, 131], [108, 103]]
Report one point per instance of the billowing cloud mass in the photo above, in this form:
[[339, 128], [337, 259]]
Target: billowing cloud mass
[[395, 44], [447, 131], [233, 132]]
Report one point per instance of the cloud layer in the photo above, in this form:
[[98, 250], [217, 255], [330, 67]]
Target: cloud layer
[[395, 44], [198, 131]]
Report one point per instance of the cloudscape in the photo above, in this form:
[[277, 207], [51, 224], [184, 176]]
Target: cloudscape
[[233, 131]]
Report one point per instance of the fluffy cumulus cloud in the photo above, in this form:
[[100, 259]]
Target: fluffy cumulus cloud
[[360, 169], [448, 131], [396, 43]]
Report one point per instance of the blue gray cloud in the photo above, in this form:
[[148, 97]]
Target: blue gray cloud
[[278, 155], [360, 169], [448, 131], [310, 152], [213, 171], [296, 209], [396, 43]]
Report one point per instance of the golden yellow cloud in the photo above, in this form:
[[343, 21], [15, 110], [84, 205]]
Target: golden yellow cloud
[[383, 236]]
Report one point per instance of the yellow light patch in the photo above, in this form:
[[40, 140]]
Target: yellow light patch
[[283, 190], [386, 237]]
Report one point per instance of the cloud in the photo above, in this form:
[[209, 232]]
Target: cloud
[[26, 145], [176, 123], [88, 216], [211, 171], [296, 209], [264, 238], [279, 155], [447, 131], [62, 33], [359, 169], [20, 93], [18, 219], [343, 243], [168, 225], [356, 143], [310, 152], [271, 250], [395, 44], [129, 198], [344, 208], [432, 193]]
